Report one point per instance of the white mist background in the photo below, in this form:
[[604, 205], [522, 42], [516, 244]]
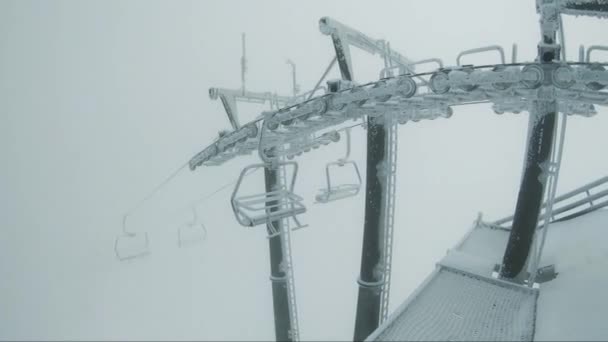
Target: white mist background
[[101, 100]]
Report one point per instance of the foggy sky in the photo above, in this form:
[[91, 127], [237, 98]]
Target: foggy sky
[[100, 100]]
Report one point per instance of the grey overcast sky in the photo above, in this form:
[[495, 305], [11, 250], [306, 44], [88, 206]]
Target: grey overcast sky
[[100, 100]]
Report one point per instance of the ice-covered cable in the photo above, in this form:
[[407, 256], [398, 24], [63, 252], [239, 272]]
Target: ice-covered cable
[[151, 194], [223, 187]]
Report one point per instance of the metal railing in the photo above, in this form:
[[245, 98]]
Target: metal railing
[[563, 210]]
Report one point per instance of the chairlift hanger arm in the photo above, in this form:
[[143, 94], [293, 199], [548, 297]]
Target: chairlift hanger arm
[[329, 26], [344, 36], [248, 96], [230, 97]]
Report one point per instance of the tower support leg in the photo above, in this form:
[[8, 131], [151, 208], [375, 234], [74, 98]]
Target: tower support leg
[[278, 276], [371, 273], [538, 154]]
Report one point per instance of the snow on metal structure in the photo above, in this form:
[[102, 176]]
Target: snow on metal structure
[[566, 207], [442, 300], [593, 8], [287, 265], [577, 88], [267, 207], [573, 87], [546, 88], [390, 174], [462, 299], [230, 97], [347, 36]]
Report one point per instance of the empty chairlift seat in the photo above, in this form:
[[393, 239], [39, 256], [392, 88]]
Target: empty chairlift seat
[[191, 232], [131, 245], [340, 191], [267, 207]]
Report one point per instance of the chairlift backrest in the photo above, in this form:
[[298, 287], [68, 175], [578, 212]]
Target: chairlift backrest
[[191, 232], [131, 245], [342, 190], [267, 207]]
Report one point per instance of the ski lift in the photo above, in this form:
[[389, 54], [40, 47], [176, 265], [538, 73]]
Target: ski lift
[[131, 245], [343, 190], [191, 232], [271, 206]]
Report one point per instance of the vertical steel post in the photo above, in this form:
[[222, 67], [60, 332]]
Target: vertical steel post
[[371, 273], [278, 276], [538, 153], [243, 63]]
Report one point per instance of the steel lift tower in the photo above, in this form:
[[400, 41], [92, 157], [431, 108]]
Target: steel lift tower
[[549, 88]]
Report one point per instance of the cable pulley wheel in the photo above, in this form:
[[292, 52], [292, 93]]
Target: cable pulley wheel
[[537, 74], [563, 77], [501, 85], [595, 86], [440, 82]]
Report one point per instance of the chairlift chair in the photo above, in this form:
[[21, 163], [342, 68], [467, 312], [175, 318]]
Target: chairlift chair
[[342, 190], [131, 245], [267, 207], [191, 232]]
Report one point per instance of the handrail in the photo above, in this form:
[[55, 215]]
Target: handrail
[[482, 49], [560, 210], [593, 48], [583, 212]]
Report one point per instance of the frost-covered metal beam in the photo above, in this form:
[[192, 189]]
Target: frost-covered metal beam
[[284, 327], [343, 36], [374, 278], [370, 279], [593, 8], [230, 97], [576, 87]]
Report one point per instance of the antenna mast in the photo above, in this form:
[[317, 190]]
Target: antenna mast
[[243, 63]]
